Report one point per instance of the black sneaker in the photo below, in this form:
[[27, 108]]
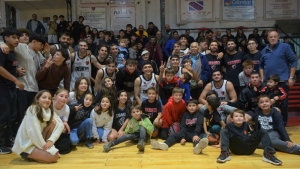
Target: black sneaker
[[271, 159], [89, 143], [107, 146], [5, 150], [224, 156], [141, 145]]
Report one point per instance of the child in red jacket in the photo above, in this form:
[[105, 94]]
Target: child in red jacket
[[173, 111]]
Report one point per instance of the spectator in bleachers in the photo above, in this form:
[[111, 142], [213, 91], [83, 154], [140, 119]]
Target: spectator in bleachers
[[128, 30], [264, 39], [155, 50], [255, 35], [52, 33], [228, 34], [77, 28], [142, 34], [152, 29], [200, 36], [35, 26], [167, 34], [160, 40], [95, 35], [286, 39], [62, 25], [86, 32], [254, 54], [170, 44], [240, 36], [190, 39]]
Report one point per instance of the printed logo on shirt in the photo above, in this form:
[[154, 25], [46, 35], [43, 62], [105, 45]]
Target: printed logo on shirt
[[233, 66], [81, 68], [266, 122], [15, 63], [190, 122], [150, 109], [87, 62], [255, 62]]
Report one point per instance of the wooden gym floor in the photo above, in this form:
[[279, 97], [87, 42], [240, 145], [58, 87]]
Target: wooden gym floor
[[126, 155]]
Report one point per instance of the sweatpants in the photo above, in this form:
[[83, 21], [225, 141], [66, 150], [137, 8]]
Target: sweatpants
[[176, 137], [247, 145], [280, 145]]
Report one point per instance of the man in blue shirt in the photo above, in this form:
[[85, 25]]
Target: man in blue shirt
[[279, 58]]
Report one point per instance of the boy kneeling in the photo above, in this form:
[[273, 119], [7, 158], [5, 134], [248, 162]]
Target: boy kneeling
[[236, 138], [190, 130]]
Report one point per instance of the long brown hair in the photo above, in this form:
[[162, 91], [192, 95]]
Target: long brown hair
[[110, 109], [39, 110], [109, 91], [77, 83]]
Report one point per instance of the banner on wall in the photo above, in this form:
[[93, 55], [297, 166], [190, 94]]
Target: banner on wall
[[281, 9], [238, 10], [194, 11], [95, 17], [120, 16]]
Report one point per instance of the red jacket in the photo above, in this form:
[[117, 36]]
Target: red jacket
[[172, 112]]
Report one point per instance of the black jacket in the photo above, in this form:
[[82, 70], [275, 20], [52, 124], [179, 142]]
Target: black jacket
[[248, 97]]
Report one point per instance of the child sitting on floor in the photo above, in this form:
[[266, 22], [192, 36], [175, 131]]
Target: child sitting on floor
[[190, 130], [139, 127]]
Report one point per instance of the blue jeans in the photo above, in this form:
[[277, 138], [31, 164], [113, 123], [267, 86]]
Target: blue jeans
[[216, 129], [85, 129], [132, 136], [100, 131]]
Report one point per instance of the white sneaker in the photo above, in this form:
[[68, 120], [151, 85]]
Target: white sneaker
[[200, 146], [159, 146]]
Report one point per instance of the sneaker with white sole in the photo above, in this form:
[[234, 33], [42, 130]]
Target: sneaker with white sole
[[159, 146], [271, 159], [5, 150], [224, 156], [200, 146]]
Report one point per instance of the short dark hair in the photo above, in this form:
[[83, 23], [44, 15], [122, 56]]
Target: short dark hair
[[174, 32], [187, 77], [80, 17], [191, 101], [230, 40], [217, 70], [65, 34], [209, 31], [9, 32], [183, 36], [254, 73], [275, 78], [106, 33], [147, 62], [252, 39], [61, 16], [213, 41], [174, 56], [129, 25], [64, 52], [262, 96], [24, 30], [211, 92], [150, 23], [214, 102], [37, 37]]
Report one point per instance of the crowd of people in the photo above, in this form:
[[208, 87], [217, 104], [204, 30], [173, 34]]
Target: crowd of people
[[90, 86]]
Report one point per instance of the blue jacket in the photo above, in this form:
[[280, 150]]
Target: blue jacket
[[40, 29], [169, 47], [186, 90], [278, 60], [205, 73]]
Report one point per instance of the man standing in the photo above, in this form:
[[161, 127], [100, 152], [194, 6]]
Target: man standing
[[255, 35], [170, 43], [62, 25], [233, 64], [279, 58], [52, 33], [286, 39], [33, 25], [168, 33], [254, 54], [190, 39], [212, 57], [77, 28], [200, 66], [155, 51], [142, 34], [152, 29]]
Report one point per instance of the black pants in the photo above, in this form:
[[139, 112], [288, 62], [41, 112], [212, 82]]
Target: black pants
[[247, 145], [176, 137], [8, 114], [195, 93], [284, 104], [164, 133], [24, 100]]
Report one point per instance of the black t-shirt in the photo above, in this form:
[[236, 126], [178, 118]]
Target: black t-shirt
[[151, 109], [77, 29], [255, 58], [213, 62], [8, 62], [120, 115], [212, 118], [234, 67]]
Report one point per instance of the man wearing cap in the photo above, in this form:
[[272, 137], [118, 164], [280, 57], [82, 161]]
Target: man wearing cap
[[146, 57]]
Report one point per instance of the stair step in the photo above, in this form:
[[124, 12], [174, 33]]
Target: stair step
[[294, 97], [294, 92], [294, 106], [294, 101]]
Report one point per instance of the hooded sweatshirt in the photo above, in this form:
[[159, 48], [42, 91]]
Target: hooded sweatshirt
[[172, 112], [166, 88]]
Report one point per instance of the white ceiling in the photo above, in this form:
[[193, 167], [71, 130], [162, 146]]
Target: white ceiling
[[36, 4]]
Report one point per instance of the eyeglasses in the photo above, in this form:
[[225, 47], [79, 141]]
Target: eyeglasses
[[251, 44]]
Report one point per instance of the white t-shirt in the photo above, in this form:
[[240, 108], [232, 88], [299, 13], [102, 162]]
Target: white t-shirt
[[63, 113]]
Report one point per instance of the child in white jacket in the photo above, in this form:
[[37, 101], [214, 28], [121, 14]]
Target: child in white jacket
[[39, 130]]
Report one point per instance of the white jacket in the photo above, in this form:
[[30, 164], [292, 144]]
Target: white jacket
[[30, 136], [103, 120]]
